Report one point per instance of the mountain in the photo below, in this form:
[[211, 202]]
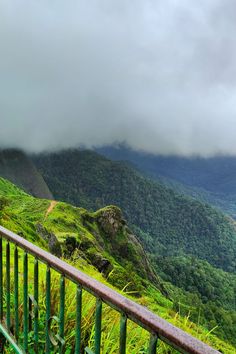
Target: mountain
[[215, 174], [190, 244], [102, 237], [17, 167], [101, 244], [212, 180], [166, 222]]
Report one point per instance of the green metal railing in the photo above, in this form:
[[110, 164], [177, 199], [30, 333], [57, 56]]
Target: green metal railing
[[19, 317]]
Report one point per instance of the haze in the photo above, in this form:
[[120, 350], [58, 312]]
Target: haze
[[159, 75]]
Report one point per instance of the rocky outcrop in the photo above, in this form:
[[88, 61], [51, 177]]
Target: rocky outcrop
[[122, 243], [110, 220], [53, 243]]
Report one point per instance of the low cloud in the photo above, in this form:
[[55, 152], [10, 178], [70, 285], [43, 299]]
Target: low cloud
[[159, 75]]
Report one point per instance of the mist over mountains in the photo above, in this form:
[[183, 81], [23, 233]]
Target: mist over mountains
[[118, 152], [158, 75]]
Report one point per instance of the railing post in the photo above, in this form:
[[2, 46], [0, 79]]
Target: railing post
[[78, 319], [123, 329], [26, 303], [62, 311], [8, 295], [16, 293], [48, 308], [153, 344], [98, 325], [36, 298]]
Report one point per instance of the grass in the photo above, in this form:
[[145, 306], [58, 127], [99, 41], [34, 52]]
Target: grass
[[137, 338], [23, 212]]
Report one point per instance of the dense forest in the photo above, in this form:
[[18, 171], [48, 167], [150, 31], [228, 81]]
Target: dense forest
[[209, 179], [166, 222]]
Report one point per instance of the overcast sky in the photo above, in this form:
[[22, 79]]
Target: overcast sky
[[160, 75]]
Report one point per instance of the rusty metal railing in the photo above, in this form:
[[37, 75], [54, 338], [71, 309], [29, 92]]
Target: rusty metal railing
[[18, 336]]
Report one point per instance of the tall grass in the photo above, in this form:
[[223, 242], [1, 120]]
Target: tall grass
[[137, 337]]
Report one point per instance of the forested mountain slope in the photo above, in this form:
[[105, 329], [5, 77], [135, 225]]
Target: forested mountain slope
[[210, 179], [17, 167], [167, 223], [99, 239]]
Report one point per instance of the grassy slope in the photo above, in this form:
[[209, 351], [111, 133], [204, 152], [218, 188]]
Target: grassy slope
[[22, 213]]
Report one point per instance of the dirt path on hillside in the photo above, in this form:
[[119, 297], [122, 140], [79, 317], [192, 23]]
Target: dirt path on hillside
[[50, 208]]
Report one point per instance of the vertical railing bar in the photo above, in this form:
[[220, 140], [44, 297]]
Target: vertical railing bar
[[78, 319], [1, 282], [62, 310], [98, 325], [16, 293], [123, 330], [8, 298], [30, 313], [36, 309], [48, 307], [25, 302], [153, 343]]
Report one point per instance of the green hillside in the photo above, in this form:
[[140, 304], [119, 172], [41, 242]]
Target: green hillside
[[165, 221], [94, 242], [102, 237], [209, 179], [18, 168], [168, 225]]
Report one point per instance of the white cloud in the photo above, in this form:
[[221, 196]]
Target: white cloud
[[159, 75]]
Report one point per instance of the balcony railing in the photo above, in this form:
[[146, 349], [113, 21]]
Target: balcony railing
[[20, 307]]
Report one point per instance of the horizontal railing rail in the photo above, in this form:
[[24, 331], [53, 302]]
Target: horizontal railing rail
[[158, 328]]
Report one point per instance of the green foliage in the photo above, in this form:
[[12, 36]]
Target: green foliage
[[199, 277], [102, 238], [3, 204], [209, 293], [95, 237], [211, 180], [170, 224]]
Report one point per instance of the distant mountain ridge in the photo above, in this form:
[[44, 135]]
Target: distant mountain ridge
[[212, 180], [167, 223], [18, 168]]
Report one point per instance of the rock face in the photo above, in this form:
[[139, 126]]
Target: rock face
[[110, 220], [50, 238], [18, 168], [121, 242]]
